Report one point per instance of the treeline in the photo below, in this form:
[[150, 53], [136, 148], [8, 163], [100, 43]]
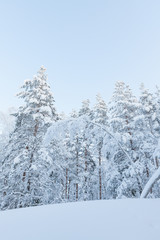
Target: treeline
[[109, 151]]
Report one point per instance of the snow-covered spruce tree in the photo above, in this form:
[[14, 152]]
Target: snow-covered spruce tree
[[101, 119], [131, 185], [154, 182], [152, 187], [156, 115], [123, 110], [68, 168], [87, 167], [85, 108], [74, 114], [78, 165], [147, 133], [148, 130], [100, 111], [22, 166], [81, 180]]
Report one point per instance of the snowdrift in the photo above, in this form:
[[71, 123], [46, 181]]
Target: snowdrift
[[96, 220]]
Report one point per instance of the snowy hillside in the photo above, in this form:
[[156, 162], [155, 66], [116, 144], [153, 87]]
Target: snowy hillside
[[95, 220]]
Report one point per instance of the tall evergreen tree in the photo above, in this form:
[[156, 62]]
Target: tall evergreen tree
[[101, 118], [22, 165], [123, 111], [85, 109]]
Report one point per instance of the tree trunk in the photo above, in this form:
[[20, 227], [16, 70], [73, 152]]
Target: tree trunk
[[69, 189], [100, 175], [157, 162], [66, 192], [77, 167], [85, 178]]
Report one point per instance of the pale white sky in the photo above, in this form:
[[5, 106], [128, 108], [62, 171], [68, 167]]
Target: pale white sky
[[85, 45]]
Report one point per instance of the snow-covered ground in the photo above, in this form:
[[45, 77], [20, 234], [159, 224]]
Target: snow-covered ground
[[96, 220]]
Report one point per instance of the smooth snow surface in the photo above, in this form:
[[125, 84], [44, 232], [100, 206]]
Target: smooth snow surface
[[96, 220]]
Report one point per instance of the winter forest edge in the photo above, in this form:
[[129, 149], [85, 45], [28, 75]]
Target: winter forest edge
[[110, 151]]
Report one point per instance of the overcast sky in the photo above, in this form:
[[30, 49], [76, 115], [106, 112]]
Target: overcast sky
[[86, 46]]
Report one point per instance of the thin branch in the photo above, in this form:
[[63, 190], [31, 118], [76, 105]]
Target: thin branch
[[118, 143]]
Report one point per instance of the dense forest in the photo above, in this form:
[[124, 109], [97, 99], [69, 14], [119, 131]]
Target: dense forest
[[108, 151]]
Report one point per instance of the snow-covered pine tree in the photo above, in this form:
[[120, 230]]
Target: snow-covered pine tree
[[147, 133], [72, 164], [68, 166], [22, 165], [156, 115], [85, 108], [100, 111], [153, 184], [87, 165], [74, 114], [122, 112], [156, 125], [101, 119]]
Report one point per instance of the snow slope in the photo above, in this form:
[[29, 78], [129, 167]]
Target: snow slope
[[96, 220]]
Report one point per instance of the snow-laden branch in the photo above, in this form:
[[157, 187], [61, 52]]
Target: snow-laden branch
[[118, 143], [155, 177]]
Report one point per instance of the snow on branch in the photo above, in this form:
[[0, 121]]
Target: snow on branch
[[118, 143], [150, 183]]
